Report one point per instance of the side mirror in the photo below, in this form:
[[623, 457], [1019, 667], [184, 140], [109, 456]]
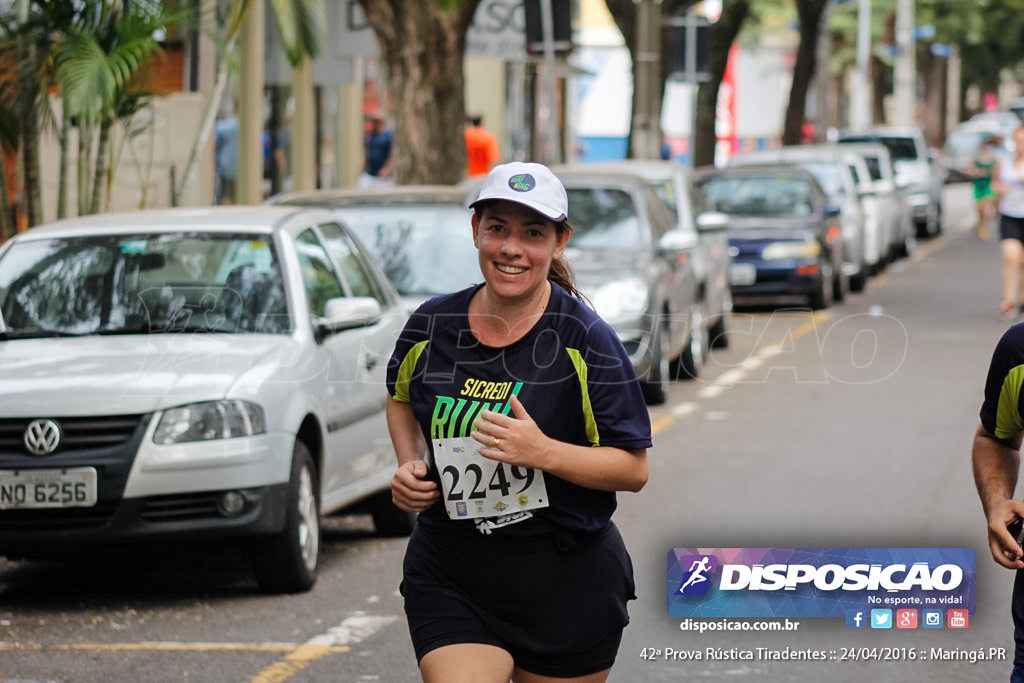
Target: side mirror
[[712, 220], [348, 313], [677, 240]]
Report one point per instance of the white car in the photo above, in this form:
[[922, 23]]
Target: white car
[[197, 374]]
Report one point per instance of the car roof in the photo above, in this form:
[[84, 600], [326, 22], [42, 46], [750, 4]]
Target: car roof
[[755, 170], [236, 218], [585, 173], [644, 167], [393, 195]]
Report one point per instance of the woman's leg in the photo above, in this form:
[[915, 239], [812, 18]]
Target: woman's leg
[[1012, 251], [466, 663], [520, 676]]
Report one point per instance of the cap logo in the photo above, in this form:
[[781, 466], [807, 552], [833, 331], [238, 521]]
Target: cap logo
[[523, 182]]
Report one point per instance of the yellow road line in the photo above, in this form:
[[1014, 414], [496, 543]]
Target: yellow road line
[[171, 647]]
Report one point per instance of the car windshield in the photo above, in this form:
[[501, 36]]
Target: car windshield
[[828, 175], [900, 148], [758, 196], [141, 284], [425, 250], [604, 218]]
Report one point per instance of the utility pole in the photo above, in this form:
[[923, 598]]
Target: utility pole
[[904, 73], [860, 92]]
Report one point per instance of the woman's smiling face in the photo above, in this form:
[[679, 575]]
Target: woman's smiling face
[[516, 246]]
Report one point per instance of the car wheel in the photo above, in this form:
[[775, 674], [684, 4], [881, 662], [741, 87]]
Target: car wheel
[[656, 385], [691, 361], [822, 298], [288, 562], [718, 335], [840, 285], [388, 518]]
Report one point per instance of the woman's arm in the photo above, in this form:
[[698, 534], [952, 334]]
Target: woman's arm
[[519, 441], [410, 490]]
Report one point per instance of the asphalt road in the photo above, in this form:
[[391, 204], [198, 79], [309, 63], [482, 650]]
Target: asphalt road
[[849, 427]]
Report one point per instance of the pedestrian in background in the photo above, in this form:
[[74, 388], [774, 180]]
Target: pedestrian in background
[[482, 149], [1008, 183], [530, 416], [377, 154], [981, 181], [995, 457]]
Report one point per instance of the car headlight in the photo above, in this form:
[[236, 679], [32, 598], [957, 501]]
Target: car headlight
[[620, 299], [790, 250], [208, 421]]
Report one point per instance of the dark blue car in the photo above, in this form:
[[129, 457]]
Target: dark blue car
[[784, 235]]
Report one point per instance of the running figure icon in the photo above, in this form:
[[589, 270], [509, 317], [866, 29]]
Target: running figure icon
[[697, 570]]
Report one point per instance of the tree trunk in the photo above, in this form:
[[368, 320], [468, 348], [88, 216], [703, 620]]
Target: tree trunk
[[804, 69], [100, 176], [27, 92], [62, 184], [624, 14], [705, 138], [934, 115], [422, 47]]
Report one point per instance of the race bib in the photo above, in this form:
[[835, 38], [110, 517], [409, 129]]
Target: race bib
[[474, 486]]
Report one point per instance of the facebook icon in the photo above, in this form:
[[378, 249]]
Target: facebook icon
[[855, 619]]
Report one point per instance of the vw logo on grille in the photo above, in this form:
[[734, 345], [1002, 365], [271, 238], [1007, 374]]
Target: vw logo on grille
[[42, 437]]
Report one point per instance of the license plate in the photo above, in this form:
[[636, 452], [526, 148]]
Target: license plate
[[743, 274], [72, 487]]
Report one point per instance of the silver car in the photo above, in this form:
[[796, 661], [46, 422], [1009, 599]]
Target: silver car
[[674, 184], [195, 374]]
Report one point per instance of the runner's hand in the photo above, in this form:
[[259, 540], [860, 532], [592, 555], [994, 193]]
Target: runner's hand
[[410, 490]]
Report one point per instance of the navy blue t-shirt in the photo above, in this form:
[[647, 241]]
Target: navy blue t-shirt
[[1002, 412], [570, 371]]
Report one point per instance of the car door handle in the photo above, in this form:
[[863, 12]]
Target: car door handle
[[370, 363]]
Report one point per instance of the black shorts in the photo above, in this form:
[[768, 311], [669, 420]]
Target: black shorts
[[1011, 228], [557, 607]]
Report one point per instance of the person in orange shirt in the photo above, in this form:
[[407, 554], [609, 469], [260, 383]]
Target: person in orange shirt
[[482, 150]]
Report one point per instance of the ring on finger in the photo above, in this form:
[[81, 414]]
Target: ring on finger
[[497, 442]]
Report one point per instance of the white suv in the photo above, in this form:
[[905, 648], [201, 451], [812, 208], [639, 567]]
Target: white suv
[[193, 374], [916, 173]]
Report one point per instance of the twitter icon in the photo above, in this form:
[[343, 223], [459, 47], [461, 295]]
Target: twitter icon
[[881, 618]]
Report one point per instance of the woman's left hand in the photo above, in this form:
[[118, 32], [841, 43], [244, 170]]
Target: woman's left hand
[[515, 440]]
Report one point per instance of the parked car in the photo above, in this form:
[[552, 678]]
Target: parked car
[[422, 237], [886, 201], [674, 184], [844, 177], [784, 233], [916, 172], [419, 234], [194, 374], [637, 268]]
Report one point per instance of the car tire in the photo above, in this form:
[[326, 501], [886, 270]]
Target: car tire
[[718, 335], [823, 298], [656, 385], [289, 561], [388, 518], [695, 351]]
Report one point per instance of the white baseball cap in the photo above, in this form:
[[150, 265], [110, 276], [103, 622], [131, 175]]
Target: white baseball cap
[[532, 185]]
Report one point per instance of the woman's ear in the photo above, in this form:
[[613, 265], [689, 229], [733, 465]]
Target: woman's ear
[[475, 221], [561, 241]]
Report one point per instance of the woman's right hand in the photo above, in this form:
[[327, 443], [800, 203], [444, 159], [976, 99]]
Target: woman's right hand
[[411, 490]]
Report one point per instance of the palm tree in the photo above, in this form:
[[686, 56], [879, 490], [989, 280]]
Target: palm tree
[[97, 64], [299, 23]]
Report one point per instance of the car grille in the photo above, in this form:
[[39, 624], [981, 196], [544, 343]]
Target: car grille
[[65, 519], [77, 433], [180, 507]]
